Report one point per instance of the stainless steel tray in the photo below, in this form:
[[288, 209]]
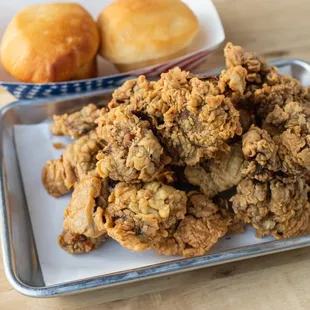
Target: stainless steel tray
[[21, 263]]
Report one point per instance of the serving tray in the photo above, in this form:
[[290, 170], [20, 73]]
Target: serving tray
[[20, 258]]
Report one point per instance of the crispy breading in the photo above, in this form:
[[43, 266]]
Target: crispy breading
[[197, 123], [256, 67], [193, 118], [78, 160], [194, 235], [132, 153], [218, 174], [260, 151], [76, 243], [83, 227], [294, 141], [138, 214], [274, 208], [54, 178], [75, 124], [185, 131], [265, 88]]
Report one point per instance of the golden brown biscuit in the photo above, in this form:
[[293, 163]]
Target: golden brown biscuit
[[50, 43], [137, 33]]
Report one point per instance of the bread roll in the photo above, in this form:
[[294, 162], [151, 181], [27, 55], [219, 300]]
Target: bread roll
[[50, 43], [137, 33]]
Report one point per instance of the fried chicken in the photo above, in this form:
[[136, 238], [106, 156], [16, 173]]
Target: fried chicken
[[274, 195], [193, 118], [265, 88], [83, 227], [132, 153], [273, 207], [78, 161], [287, 153], [182, 177], [138, 94], [218, 174], [194, 235], [138, 214], [260, 151], [256, 67], [54, 178], [75, 124], [294, 153], [197, 123], [76, 243], [292, 122], [280, 91]]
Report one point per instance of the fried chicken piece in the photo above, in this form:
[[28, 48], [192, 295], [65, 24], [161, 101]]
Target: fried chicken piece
[[294, 153], [197, 232], [294, 116], [291, 125], [255, 69], [233, 80], [200, 175], [132, 153], [201, 228], [54, 178], [138, 94], [197, 124], [83, 227], [166, 176], [143, 95], [274, 208], [275, 121], [266, 88], [76, 124], [256, 66], [77, 161], [76, 243], [193, 117], [260, 150], [138, 214], [284, 91], [218, 174], [277, 205]]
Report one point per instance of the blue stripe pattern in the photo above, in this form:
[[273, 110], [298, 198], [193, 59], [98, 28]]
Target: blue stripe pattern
[[31, 91]]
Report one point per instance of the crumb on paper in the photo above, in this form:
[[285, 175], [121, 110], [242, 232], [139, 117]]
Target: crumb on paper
[[59, 145]]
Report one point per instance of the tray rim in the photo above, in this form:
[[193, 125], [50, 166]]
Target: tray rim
[[149, 272]]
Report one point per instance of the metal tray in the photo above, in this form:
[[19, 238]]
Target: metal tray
[[21, 263]]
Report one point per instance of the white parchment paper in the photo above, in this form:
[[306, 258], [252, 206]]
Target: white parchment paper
[[34, 144]]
